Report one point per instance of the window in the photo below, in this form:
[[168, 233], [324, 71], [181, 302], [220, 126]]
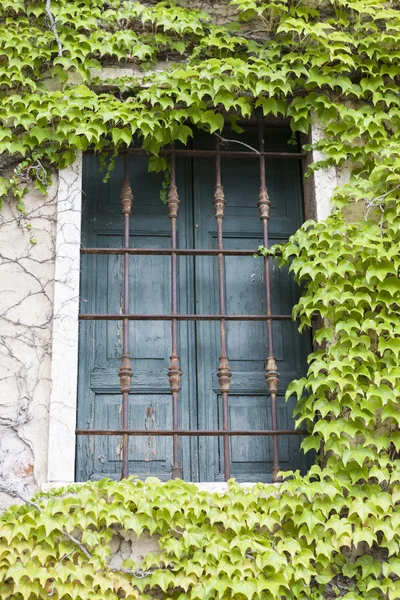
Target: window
[[186, 339]]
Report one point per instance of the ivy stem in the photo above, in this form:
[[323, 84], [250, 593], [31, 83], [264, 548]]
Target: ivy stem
[[227, 141], [378, 201], [52, 26]]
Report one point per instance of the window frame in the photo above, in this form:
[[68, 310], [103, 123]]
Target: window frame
[[317, 191]]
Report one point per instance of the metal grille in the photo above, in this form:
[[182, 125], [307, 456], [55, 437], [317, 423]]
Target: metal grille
[[174, 370]]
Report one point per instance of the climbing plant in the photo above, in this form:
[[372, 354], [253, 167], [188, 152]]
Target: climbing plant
[[336, 531], [315, 537], [338, 62]]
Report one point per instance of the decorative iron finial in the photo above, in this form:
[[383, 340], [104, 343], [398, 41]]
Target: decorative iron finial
[[173, 201], [219, 201], [125, 373], [272, 375], [263, 203], [126, 197], [224, 374], [174, 373]]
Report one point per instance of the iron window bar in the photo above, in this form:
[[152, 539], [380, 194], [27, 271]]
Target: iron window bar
[[125, 373], [174, 372], [189, 153], [191, 432], [223, 373], [169, 251], [174, 369], [177, 317], [271, 370]]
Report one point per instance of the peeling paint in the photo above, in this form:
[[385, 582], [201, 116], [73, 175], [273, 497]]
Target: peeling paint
[[151, 450], [119, 451], [90, 445]]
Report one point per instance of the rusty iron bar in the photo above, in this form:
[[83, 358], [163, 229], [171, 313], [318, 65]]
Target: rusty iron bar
[[130, 317], [224, 372], [169, 251], [174, 369], [271, 370], [211, 153], [125, 372], [192, 432]]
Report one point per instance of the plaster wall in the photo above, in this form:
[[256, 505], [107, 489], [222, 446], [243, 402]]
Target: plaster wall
[[27, 263], [39, 294]]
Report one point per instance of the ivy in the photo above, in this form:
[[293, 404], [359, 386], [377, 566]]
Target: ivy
[[351, 277], [340, 64], [295, 541], [335, 532]]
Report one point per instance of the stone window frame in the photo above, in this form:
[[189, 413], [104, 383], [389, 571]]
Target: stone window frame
[[64, 365]]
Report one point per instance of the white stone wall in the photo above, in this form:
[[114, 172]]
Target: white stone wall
[[26, 313], [64, 365]]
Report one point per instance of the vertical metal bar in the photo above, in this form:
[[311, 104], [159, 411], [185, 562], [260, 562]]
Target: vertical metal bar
[[271, 371], [224, 372], [174, 370], [125, 372]]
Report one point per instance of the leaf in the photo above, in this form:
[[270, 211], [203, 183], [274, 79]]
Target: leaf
[[380, 270], [324, 548], [247, 588], [340, 526], [311, 443], [271, 106], [296, 387], [310, 519], [392, 344], [360, 509], [274, 585], [121, 134], [91, 538], [162, 579], [50, 524], [40, 134], [214, 120], [28, 589], [391, 285], [323, 334], [182, 132], [16, 572], [364, 535]]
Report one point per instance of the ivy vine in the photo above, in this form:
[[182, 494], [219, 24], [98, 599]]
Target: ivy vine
[[305, 539], [336, 531], [340, 63]]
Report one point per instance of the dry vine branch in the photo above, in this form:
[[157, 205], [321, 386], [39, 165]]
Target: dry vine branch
[[227, 141], [52, 26], [139, 573], [16, 494], [34, 170], [378, 201]]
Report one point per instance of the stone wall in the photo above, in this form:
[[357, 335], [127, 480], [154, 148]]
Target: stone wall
[[221, 11], [26, 311]]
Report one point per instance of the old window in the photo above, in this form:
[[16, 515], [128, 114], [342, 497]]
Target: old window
[[186, 340]]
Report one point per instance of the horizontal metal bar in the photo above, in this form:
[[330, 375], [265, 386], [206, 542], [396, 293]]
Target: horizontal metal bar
[[104, 317], [188, 433], [169, 251], [210, 153]]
